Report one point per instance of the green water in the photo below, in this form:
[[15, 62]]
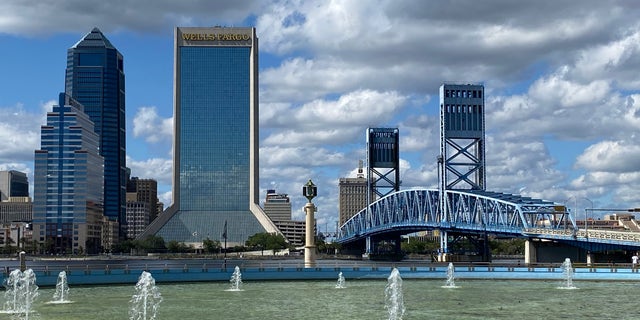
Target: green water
[[363, 299]]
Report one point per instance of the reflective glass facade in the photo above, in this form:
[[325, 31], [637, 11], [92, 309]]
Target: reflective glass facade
[[68, 182], [95, 78], [216, 138], [214, 149], [13, 184]]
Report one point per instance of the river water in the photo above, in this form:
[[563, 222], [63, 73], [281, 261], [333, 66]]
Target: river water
[[361, 299]]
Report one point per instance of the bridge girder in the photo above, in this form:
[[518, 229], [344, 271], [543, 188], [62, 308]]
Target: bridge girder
[[468, 211]]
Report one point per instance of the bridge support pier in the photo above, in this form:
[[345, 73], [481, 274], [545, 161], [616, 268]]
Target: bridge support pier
[[590, 258], [444, 250], [530, 252]]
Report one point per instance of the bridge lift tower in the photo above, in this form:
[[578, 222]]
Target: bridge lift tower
[[461, 163], [383, 163]]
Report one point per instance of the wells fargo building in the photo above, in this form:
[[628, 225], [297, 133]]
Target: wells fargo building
[[215, 160]]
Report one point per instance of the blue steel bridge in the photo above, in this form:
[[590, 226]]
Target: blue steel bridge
[[477, 212]]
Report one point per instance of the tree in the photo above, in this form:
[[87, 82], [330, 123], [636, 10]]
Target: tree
[[507, 246], [177, 247], [153, 243], [32, 246], [124, 246], [8, 248], [211, 246], [268, 241], [276, 242], [328, 248]]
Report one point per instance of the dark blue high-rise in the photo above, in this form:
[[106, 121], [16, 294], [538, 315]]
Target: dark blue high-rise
[[95, 78]]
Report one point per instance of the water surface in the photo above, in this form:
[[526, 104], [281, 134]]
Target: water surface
[[361, 299]]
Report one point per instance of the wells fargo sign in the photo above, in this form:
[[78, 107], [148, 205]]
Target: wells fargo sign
[[216, 37]]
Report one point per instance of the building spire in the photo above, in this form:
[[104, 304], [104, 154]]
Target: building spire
[[95, 38]]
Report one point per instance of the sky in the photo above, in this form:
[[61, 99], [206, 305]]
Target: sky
[[561, 83]]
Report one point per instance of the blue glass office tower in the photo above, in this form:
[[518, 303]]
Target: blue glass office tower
[[95, 78], [215, 165], [68, 182]]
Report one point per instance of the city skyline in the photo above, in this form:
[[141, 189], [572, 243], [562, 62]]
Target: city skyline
[[561, 92]]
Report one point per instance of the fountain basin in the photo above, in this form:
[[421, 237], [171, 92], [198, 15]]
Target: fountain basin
[[120, 276]]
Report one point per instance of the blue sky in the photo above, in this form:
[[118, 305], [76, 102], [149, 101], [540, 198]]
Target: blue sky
[[561, 87]]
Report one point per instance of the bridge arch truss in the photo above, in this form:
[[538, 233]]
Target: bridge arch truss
[[467, 211]]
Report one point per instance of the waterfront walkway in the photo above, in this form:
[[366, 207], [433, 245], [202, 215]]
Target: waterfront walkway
[[127, 271]]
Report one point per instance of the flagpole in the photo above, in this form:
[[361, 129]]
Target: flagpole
[[224, 235]]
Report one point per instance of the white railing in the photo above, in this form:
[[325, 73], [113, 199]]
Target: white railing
[[592, 234]]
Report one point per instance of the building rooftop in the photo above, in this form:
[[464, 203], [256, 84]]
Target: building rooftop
[[95, 38]]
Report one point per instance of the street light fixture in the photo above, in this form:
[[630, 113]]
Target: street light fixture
[[586, 218], [309, 190], [586, 210]]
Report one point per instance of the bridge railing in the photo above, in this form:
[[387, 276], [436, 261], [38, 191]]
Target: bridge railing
[[592, 234], [549, 231]]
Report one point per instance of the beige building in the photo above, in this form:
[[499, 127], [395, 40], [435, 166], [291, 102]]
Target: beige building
[[278, 209], [144, 190], [352, 195]]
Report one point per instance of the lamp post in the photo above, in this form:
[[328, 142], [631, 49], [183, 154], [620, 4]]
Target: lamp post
[[586, 223], [309, 191]]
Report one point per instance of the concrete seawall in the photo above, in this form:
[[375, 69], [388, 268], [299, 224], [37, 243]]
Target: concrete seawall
[[78, 276]]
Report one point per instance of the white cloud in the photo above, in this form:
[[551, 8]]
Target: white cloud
[[18, 166], [299, 156], [19, 133], [560, 92], [617, 60], [611, 156], [419, 133], [159, 169], [32, 17], [152, 127], [165, 198], [46, 108], [512, 165], [334, 122]]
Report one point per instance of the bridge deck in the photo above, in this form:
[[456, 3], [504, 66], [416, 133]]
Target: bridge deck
[[473, 211]]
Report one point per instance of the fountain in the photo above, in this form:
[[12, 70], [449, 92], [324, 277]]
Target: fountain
[[567, 273], [394, 300], [363, 299], [340, 284], [236, 280], [145, 302], [21, 292], [62, 289], [450, 277]]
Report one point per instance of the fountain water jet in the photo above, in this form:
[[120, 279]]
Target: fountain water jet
[[145, 302], [341, 281], [62, 290], [394, 299], [450, 277], [236, 280], [567, 273], [21, 292]]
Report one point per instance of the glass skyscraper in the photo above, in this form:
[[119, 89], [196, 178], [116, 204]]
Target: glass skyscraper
[[95, 78], [215, 165], [67, 209], [13, 184]]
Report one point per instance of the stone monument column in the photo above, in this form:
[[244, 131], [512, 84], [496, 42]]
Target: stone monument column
[[309, 190]]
